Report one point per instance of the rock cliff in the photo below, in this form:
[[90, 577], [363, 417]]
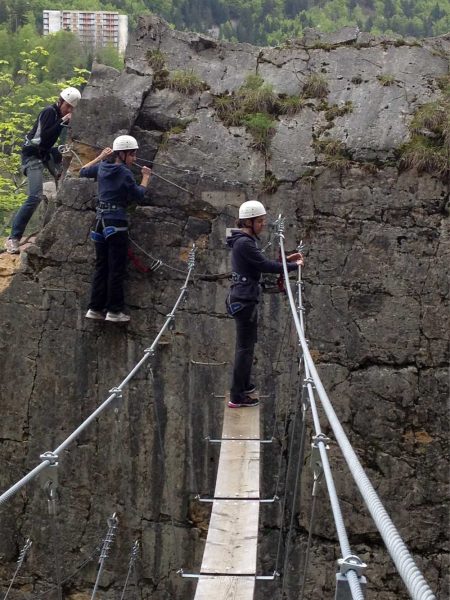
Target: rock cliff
[[376, 288]]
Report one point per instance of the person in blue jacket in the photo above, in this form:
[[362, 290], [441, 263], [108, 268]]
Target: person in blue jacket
[[38, 152], [116, 189], [248, 263]]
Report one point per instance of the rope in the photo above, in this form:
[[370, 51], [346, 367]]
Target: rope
[[410, 574], [49, 458]]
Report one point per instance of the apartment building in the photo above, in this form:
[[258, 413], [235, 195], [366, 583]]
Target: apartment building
[[96, 28]]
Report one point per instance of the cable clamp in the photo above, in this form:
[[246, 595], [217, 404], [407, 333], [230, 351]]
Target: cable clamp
[[117, 392], [150, 351], [309, 381], [320, 438], [351, 563], [191, 258], [51, 457]]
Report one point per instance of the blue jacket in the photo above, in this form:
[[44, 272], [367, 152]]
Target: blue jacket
[[116, 189], [247, 263]]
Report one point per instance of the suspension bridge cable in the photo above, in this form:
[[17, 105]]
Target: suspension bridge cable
[[113, 523], [51, 458], [22, 555], [131, 566], [408, 570]]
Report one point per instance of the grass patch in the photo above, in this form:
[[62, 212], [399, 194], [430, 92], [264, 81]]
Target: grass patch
[[255, 105], [291, 105], [186, 82], [316, 86], [270, 183], [386, 79], [338, 111], [262, 128], [335, 153], [175, 130], [428, 151], [156, 59], [425, 155]]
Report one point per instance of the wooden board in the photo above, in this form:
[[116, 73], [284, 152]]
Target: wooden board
[[232, 538], [225, 588], [240, 422], [231, 545], [238, 470]]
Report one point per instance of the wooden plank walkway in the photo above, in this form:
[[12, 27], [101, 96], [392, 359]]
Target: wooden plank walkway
[[231, 544]]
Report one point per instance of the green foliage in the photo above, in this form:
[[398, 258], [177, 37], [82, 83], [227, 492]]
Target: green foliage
[[270, 183], [156, 59], [386, 79], [429, 147], [254, 105], [291, 105], [185, 82], [338, 111], [109, 55], [261, 127], [315, 86], [425, 155], [335, 154], [24, 93]]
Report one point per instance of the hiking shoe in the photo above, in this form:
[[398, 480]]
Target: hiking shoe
[[12, 246], [252, 392], [95, 314], [244, 402], [119, 317]]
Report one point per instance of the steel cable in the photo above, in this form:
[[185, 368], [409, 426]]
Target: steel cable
[[410, 574], [49, 457]]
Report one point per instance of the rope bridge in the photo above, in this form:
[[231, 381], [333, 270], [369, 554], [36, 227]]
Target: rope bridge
[[229, 566]]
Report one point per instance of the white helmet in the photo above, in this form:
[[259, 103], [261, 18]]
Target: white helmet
[[251, 209], [71, 95], [125, 142]]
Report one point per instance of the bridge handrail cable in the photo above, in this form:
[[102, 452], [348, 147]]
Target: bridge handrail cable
[[51, 458], [413, 579]]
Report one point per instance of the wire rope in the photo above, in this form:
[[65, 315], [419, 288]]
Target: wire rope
[[410, 574]]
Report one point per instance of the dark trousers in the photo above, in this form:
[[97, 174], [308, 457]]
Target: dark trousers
[[246, 321], [110, 267]]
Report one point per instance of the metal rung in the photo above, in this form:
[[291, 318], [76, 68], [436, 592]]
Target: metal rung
[[200, 575], [275, 498], [234, 439]]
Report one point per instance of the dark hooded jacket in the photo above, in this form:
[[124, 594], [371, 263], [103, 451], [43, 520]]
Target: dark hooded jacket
[[44, 133], [116, 189], [248, 263]]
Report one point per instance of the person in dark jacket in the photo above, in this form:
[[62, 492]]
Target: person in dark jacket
[[248, 263], [39, 152], [116, 189]]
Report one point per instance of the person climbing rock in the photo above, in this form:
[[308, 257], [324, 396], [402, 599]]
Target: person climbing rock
[[116, 189], [38, 152], [248, 263]]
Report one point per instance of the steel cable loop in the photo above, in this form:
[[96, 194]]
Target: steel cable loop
[[115, 392], [408, 570]]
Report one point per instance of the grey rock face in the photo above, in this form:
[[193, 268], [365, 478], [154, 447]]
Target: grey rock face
[[376, 297]]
